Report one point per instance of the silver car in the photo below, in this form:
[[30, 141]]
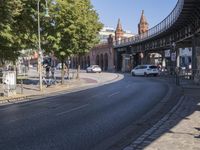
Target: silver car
[[93, 68]]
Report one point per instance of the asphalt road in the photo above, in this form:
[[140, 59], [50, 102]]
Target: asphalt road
[[79, 120]]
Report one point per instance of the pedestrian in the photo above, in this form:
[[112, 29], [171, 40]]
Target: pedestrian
[[47, 71]]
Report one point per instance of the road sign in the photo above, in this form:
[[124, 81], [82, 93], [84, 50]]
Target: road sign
[[173, 56], [167, 53]]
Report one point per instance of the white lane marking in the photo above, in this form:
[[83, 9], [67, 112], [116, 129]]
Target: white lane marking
[[97, 95], [26, 117], [73, 109], [13, 120], [113, 94]]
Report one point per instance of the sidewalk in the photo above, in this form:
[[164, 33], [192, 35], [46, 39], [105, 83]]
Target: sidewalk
[[177, 130], [31, 88]]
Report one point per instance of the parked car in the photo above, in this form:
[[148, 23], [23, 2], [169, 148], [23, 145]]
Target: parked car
[[93, 68], [145, 70]]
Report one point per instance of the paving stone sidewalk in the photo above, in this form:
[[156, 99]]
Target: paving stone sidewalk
[[177, 130]]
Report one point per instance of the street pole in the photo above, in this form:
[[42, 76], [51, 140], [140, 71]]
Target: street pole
[[39, 47], [39, 41]]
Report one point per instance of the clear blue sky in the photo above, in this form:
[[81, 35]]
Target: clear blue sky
[[129, 11]]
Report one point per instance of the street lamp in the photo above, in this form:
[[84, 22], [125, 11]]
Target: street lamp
[[39, 40]]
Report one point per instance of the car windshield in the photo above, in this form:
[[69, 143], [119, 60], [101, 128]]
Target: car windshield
[[153, 67], [94, 66], [143, 67], [137, 67]]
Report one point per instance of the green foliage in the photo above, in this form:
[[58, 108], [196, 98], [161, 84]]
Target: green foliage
[[71, 29], [87, 26], [61, 29], [9, 42]]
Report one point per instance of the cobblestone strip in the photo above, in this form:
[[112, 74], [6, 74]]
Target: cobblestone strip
[[158, 128], [13, 99]]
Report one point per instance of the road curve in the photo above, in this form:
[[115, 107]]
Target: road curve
[[79, 120]]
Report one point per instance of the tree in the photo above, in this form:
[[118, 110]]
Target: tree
[[27, 24], [73, 29], [9, 40], [87, 29], [61, 31]]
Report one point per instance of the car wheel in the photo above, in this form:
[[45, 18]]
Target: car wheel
[[145, 74], [155, 75], [133, 74]]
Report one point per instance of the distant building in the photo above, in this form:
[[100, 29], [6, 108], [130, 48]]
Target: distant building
[[103, 53], [143, 25], [104, 34], [107, 31]]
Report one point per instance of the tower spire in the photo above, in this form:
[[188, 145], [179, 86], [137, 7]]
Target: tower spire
[[119, 25], [119, 31], [143, 24]]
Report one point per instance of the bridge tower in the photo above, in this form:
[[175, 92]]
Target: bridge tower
[[143, 25], [119, 31]]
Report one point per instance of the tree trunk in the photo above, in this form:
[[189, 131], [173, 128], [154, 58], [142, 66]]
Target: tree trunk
[[67, 70], [78, 68], [62, 73], [78, 72]]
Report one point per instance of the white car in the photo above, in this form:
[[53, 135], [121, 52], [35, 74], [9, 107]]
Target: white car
[[145, 70], [59, 66], [93, 68]]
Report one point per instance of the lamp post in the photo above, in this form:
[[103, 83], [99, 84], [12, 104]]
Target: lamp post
[[39, 41]]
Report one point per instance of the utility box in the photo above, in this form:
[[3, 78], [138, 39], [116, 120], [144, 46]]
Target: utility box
[[9, 83]]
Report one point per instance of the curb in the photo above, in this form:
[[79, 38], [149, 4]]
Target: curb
[[112, 80], [26, 98], [136, 130], [134, 145], [11, 100]]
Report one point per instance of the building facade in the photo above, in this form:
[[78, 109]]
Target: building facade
[[126, 60], [103, 53]]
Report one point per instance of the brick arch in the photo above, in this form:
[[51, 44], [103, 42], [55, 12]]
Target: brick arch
[[97, 60], [105, 61], [72, 62], [84, 62], [101, 62], [88, 60], [81, 60]]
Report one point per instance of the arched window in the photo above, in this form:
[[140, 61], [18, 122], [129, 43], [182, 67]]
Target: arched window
[[101, 62], [97, 60], [106, 61], [88, 61]]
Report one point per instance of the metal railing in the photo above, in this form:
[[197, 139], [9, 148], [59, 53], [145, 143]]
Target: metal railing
[[156, 30], [183, 76]]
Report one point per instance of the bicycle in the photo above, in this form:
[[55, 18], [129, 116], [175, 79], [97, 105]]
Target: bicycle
[[49, 81]]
